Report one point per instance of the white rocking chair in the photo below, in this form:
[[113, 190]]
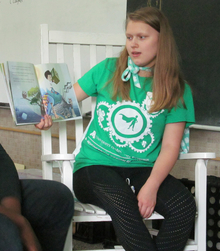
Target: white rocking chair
[[72, 48]]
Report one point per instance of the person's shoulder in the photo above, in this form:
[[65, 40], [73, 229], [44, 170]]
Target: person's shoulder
[[111, 60], [187, 87], [110, 64], [106, 64], [188, 93]]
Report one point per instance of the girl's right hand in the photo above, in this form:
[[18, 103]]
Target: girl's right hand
[[45, 123]]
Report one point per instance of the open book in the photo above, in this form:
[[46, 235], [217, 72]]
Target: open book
[[36, 90]]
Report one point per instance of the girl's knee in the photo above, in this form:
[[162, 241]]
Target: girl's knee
[[192, 205], [186, 208]]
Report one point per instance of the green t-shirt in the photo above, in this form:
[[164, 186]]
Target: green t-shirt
[[123, 133]]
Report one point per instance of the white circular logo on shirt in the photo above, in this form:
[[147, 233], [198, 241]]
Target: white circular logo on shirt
[[128, 124]]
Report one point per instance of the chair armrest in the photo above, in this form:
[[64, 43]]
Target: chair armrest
[[203, 155], [57, 157]]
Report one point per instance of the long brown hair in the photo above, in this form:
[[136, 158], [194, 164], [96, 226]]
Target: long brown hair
[[168, 83]]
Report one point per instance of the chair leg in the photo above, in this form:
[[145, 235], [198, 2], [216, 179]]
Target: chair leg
[[67, 180], [67, 174], [201, 191], [47, 170], [69, 239]]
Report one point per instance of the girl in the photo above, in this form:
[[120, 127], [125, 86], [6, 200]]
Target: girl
[[143, 106]]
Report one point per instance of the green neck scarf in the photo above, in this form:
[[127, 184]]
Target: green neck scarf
[[132, 70]]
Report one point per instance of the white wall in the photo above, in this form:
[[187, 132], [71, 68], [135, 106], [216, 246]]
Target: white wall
[[20, 24]]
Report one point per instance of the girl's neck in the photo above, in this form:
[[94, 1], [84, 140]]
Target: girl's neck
[[145, 74]]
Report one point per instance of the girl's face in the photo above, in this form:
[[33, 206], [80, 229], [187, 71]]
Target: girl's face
[[141, 43]]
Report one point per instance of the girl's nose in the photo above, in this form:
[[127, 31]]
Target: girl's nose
[[134, 43]]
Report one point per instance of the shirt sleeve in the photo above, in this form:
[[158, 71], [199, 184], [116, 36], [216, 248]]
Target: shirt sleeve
[[90, 82], [181, 113]]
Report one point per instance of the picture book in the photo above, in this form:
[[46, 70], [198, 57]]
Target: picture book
[[36, 90]]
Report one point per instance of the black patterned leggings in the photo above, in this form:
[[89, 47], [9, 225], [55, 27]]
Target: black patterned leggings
[[107, 188]]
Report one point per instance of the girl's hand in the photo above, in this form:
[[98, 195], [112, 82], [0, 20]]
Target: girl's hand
[[45, 123], [147, 197]]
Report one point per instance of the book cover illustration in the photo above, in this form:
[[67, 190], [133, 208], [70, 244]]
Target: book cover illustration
[[41, 89], [57, 92], [24, 92]]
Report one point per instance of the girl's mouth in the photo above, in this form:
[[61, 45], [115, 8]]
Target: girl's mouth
[[135, 53]]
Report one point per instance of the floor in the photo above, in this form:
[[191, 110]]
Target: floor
[[79, 245]]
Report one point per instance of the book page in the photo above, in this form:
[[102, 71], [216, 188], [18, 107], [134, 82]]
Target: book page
[[57, 91], [25, 93], [8, 93]]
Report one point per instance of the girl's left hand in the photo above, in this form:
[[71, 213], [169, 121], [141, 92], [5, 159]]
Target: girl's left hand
[[147, 200]]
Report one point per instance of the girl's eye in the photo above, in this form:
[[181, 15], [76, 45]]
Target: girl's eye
[[142, 37], [128, 37]]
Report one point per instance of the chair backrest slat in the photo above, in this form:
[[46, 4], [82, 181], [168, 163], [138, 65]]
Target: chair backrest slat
[[109, 51], [93, 56], [62, 137], [60, 53], [44, 44], [77, 62], [81, 51]]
